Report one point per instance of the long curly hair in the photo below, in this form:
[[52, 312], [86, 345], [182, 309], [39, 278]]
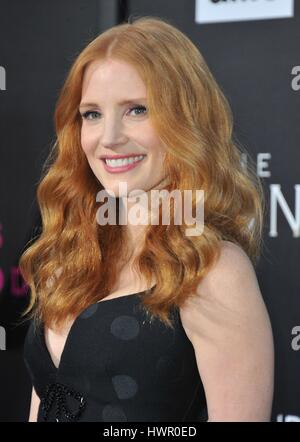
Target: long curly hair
[[75, 261]]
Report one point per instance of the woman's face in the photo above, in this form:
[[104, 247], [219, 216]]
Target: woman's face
[[115, 122]]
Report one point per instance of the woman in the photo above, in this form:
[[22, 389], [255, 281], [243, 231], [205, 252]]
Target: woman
[[143, 322]]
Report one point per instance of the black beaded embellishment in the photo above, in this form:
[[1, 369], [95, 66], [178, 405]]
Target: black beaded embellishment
[[58, 393]]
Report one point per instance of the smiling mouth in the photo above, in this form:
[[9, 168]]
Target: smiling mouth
[[120, 162]]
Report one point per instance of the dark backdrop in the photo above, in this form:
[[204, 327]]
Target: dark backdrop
[[252, 61]]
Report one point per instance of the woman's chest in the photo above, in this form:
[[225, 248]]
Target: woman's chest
[[55, 340]]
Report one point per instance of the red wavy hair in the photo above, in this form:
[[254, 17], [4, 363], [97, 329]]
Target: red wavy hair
[[75, 261]]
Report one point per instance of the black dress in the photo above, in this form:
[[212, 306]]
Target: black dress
[[118, 365]]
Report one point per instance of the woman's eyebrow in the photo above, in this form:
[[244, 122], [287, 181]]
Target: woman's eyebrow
[[121, 103]]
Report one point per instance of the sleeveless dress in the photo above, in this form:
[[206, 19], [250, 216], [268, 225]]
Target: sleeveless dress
[[118, 365]]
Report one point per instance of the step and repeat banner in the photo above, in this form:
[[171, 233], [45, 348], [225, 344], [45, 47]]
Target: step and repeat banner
[[253, 49]]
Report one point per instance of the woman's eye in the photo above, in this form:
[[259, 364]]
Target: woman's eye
[[139, 108], [88, 113]]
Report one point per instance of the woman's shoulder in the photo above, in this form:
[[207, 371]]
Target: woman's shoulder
[[229, 327], [228, 293]]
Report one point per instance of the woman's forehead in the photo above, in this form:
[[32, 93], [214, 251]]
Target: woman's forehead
[[115, 78]]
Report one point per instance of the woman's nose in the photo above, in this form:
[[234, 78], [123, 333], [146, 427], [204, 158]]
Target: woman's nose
[[113, 133]]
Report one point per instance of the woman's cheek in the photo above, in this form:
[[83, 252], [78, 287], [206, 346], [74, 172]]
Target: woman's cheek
[[87, 141]]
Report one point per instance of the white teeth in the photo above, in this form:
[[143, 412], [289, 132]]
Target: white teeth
[[123, 161]]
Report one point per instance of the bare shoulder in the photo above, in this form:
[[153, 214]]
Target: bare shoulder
[[229, 291], [227, 322]]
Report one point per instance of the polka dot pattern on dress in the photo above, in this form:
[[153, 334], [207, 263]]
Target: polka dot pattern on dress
[[125, 386], [90, 311], [113, 413], [125, 327]]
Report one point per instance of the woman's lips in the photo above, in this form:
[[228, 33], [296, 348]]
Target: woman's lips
[[119, 169]]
